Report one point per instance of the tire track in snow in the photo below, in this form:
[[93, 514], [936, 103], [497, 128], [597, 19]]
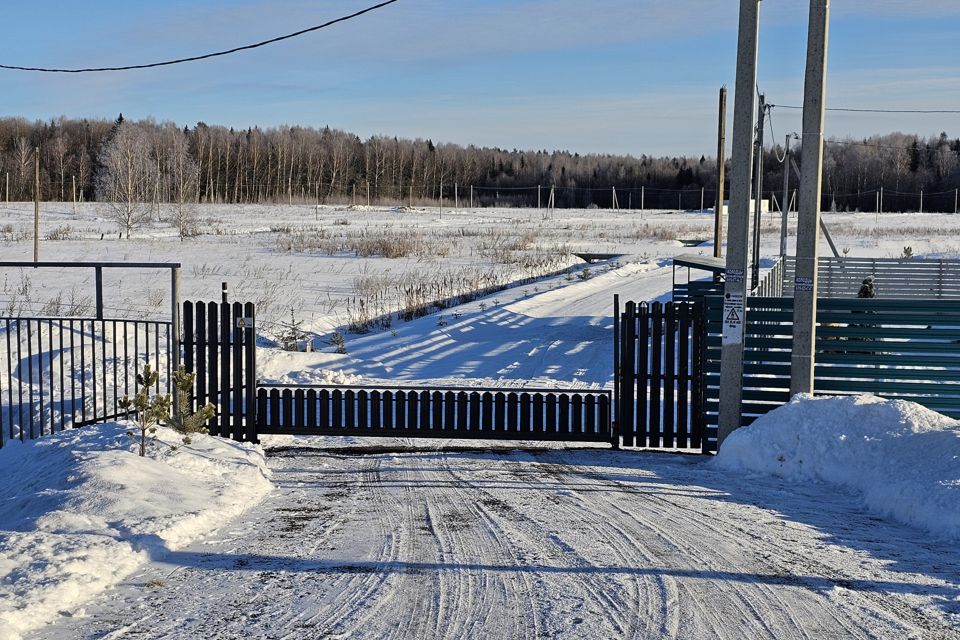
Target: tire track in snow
[[880, 616]]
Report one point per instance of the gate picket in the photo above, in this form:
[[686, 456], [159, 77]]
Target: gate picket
[[669, 375]]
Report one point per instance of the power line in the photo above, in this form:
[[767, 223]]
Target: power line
[[206, 55], [847, 110]]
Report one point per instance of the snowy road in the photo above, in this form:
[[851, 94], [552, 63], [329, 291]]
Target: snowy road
[[378, 539]]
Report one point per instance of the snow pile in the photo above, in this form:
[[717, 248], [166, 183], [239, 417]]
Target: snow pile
[[81, 510], [903, 458]]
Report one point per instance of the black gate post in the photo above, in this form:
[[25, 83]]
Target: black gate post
[[615, 430]]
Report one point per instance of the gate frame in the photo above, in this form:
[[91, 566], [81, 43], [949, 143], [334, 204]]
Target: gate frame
[[98, 267]]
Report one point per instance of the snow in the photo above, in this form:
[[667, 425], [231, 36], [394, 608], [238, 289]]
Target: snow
[[82, 510], [392, 538], [902, 458], [373, 538]]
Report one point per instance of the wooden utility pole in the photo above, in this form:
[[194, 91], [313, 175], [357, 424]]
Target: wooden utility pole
[[721, 175], [808, 219], [36, 205], [735, 290]]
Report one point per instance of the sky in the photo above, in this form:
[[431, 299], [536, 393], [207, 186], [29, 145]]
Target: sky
[[591, 76]]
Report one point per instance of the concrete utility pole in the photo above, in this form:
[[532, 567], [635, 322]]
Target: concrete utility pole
[[721, 175], [785, 205], [758, 182], [36, 205], [73, 190], [735, 291], [808, 219], [471, 196]]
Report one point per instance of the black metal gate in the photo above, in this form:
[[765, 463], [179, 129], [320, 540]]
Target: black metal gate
[[219, 346], [437, 412], [660, 365]]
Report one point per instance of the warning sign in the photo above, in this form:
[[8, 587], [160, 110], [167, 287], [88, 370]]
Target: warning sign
[[733, 314]]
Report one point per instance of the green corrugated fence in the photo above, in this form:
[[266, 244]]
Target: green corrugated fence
[[904, 349]]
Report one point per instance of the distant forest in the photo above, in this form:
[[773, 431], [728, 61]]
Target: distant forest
[[211, 163]]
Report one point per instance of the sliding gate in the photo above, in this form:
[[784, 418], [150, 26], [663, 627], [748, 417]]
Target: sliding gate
[[219, 346]]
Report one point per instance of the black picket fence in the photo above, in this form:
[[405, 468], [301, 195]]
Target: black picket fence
[[219, 347], [660, 364]]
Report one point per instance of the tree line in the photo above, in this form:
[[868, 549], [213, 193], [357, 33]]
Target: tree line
[[149, 162]]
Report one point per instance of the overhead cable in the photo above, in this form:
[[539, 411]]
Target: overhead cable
[[204, 56]]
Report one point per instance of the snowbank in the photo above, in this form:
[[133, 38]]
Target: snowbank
[[80, 510], [903, 458]]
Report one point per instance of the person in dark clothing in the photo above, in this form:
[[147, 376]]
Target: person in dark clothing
[[867, 289]]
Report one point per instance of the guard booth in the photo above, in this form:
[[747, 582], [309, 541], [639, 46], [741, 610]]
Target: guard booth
[[697, 276]]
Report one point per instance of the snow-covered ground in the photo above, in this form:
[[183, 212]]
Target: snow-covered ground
[[81, 510], [902, 458], [397, 538]]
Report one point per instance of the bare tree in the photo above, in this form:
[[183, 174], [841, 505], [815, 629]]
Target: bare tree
[[182, 174], [127, 176]]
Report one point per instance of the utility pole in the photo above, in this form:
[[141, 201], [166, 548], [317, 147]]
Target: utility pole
[[368, 193], [721, 175], [411, 195], [73, 181], [785, 205], [758, 182], [538, 197], [701, 199], [735, 293], [456, 195], [441, 198], [956, 199], [881, 201], [808, 220], [471, 196], [7, 189], [36, 205], [921, 200], [643, 194], [613, 199]]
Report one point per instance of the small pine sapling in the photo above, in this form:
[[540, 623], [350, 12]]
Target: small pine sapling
[[183, 420], [149, 410]]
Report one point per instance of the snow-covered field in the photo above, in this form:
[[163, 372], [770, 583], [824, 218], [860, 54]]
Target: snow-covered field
[[397, 538]]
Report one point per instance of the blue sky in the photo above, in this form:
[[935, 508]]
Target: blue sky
[[620, 76]]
